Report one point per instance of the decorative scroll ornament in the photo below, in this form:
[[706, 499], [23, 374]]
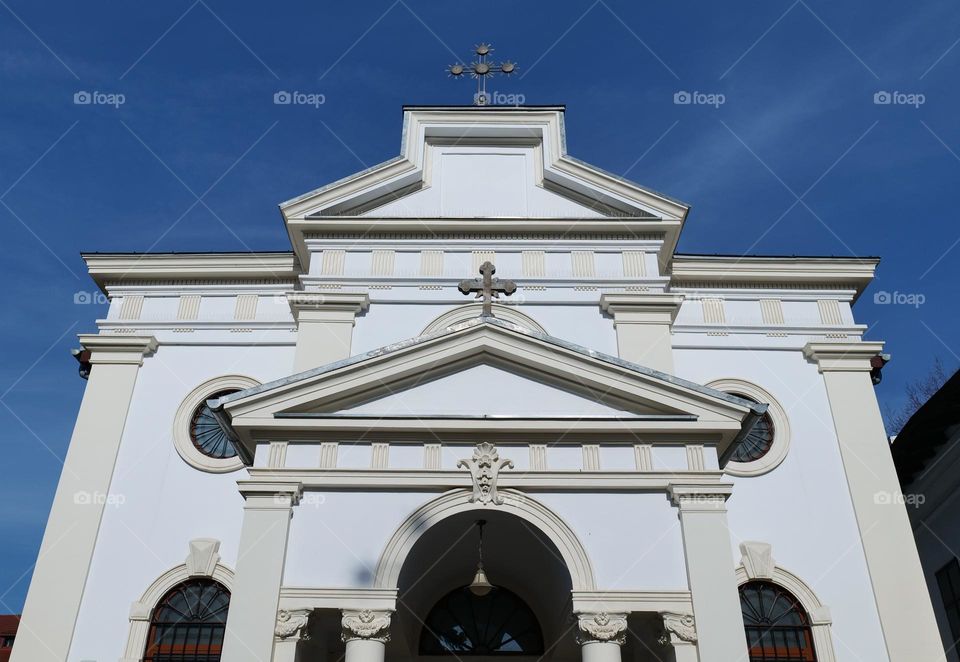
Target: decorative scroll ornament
[[602, 627], [678, 627], [485, 466], [291, 623], [366, 624]]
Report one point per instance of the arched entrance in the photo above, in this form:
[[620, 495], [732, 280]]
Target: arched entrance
[[522, 563]]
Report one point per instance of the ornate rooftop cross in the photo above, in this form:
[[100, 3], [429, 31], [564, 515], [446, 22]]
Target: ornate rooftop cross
[[481, 69], [487, 287]]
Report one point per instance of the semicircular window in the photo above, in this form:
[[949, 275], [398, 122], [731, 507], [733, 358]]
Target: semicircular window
[[498, 623], [206, 433], [188, 623], [758, 441], [776, 624]]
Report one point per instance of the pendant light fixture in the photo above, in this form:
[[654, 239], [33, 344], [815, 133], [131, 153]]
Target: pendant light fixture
[[480, 586]]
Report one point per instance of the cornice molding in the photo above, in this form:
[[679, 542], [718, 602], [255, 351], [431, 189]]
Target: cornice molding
[[327, 304], [838, 273], [117, 349], [843, 357], [642, 307], [119, 268]]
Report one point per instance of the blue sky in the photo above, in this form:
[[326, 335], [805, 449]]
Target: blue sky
[[798, 159]]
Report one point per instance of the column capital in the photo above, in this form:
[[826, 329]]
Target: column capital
[[706, 497], [270, 495], [327, 306], [117, 349], [601, 627], [642, 307], [842, 356], [366, 625], [679, 629], [292, 623]]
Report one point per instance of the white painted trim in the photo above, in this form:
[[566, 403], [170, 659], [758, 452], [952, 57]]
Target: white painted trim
[[457, 501], [817, 612], [181, 424], [781, 428], [141, 611], [625, 602], [308, 597], [469, 311]]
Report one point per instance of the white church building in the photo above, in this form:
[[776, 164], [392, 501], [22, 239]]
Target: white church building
[[305, 456]]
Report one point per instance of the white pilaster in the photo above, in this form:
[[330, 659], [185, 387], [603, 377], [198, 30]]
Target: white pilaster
[[290, 629], [710, 571], [903, 603], [252, 619], [366, 634], [680, 633], [643, 323], [56, 590], [324, 325], [600, 636]]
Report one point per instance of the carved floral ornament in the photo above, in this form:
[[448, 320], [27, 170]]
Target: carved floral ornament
[[602, 627], [485, 466], [292, 623], [678, 627], [366, 624]]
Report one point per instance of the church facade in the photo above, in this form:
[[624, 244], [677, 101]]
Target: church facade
[[482, 408]]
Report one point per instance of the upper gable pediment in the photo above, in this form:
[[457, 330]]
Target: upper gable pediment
[[483, 378], [501, 165]]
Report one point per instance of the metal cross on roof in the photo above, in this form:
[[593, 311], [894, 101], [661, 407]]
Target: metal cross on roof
[[487, 287], [481, 69]]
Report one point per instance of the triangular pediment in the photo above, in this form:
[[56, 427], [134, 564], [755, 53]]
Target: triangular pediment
[[495, 168], [483, 377]]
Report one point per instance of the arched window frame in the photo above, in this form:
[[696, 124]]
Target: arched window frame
[[757, 564], [471, 311], [203, 560], [781, 428], [444, 601], [184, 416]]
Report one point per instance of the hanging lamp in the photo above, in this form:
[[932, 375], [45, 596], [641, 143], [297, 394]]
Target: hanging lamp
[[480, 586]]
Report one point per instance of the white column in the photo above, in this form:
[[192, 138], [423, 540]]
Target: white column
[[710, 571], [680, 633], [291, 628], [903, 603], [324, 326], [643, 323], [600, 636], [366, 634], [56, 590], [252, 619]]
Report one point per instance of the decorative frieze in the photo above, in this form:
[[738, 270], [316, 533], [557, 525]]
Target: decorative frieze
[[431, 264], [188, 307], [477, 258], [829, 312], [381, 263], [634, 264], [131, 307], [432, 456], [332, 262], [277, 456], [246, 307], [602, 627], [328, 455], [534, 264], [583, 264], [485, 466], [771, 311], [643, 455], [380, 455], [591, 457], [366, 624], [538, 457]]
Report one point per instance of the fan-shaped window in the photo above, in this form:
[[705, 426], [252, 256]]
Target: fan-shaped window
[[498, 623], [188, 623], [206, 434], [777, 626], [758, 441]]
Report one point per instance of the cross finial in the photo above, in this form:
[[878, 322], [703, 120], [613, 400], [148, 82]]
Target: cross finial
[[481, 69], [487, 287]]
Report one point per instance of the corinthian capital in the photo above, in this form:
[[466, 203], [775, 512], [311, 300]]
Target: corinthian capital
[[291, 623], [366, 624], [678, 628], [602, 627]]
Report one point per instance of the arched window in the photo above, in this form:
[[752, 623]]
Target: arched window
[[498, 623], [777, 626], [188, 623]]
